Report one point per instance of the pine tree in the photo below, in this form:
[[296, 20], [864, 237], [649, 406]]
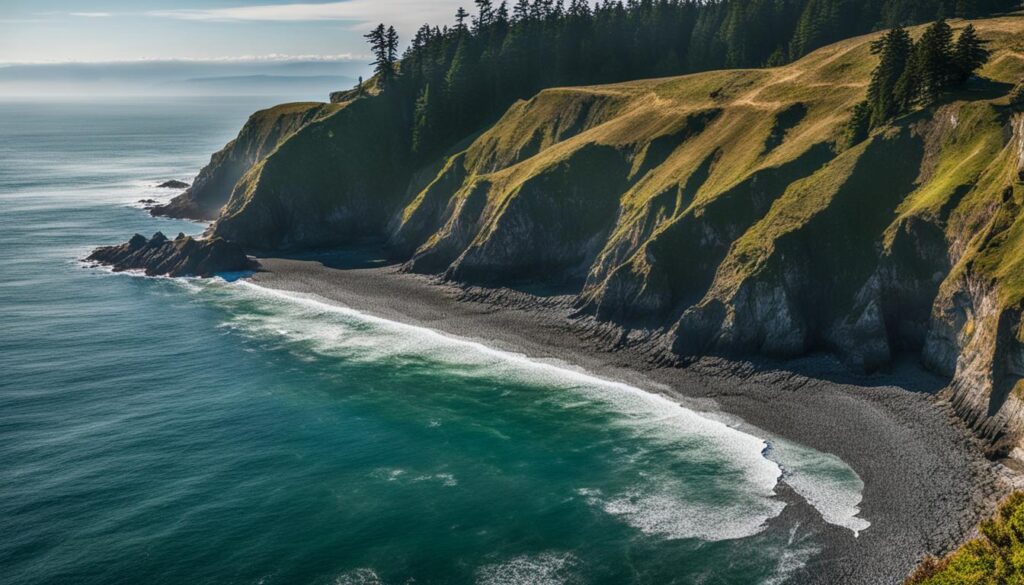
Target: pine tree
[[378, 46], [384, 45], [859, 125], [460, 20], [423, 118], [969, 54], [391, 41], [933, 61], [457, 78], [485, 14], [894, 51], [521, 11]]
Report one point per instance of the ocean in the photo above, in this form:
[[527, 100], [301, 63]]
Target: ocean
[[169, 431]]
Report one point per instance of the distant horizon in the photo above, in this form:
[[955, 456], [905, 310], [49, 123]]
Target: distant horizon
[[113, 31], [169, 77]]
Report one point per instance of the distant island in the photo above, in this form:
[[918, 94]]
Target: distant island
[[673, 182]]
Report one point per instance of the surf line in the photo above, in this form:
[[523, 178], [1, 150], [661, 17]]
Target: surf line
[[743, 442]]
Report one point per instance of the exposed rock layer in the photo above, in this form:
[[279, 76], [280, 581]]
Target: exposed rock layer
[[182, 256]]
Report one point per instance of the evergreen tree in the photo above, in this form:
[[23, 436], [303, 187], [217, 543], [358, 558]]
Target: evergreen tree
[[859, 125], [384, 45], [457, 79], [485, 15], [460, 20], [969, 54], [423, 118], [521, 11], [391, 42], [894, 51], [933, 66]]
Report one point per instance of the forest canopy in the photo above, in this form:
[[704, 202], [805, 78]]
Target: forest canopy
[[452, 79]]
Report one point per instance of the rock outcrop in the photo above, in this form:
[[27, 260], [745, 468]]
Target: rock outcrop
[[173, 184], [182, 256]]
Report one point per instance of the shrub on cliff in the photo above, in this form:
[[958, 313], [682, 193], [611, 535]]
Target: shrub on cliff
[[994, 558]]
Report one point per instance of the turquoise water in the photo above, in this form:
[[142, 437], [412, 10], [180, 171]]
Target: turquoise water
[[183, 431]]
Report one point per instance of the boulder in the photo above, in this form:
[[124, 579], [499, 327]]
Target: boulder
[[173, 184]]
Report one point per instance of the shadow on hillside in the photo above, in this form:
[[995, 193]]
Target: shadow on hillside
[[906, 372], [978, 89], [357, 257]]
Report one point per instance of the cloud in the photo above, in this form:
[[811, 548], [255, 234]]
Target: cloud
[[401, 13], [91, 14]]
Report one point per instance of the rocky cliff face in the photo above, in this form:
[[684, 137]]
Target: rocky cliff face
[[336, 179], [264, 131], [719, 212]]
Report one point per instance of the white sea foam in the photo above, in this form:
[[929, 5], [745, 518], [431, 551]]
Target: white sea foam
[[661, 505], [543, 569], [358, 577], [665, 513], [824, 480]]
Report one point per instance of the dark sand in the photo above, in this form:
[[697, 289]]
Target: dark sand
[[926, 481]]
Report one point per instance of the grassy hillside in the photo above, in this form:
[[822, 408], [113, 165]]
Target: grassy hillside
[[996, 557]]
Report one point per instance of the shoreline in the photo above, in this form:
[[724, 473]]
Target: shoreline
[[927, 483]]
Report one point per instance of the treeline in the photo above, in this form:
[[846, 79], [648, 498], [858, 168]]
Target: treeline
[[911, 75], [452, 79]]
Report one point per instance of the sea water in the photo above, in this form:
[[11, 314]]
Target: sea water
[[185, 431]]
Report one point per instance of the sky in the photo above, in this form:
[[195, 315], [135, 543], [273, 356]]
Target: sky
[[64, 31]]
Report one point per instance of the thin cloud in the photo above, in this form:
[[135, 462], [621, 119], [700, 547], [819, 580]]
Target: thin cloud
[[402, 13], [91, 14], [269, 58]]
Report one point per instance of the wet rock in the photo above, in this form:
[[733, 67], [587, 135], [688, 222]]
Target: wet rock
[[173, 184], [183, 256]]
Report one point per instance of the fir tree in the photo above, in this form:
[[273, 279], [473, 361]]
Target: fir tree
[[384, 45], [894, 51], [859, 125], [521, 11], [460, 20], [969, 54], [485, 15], [933, 66], [423, 118]]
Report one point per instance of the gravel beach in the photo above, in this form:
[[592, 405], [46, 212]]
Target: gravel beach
[[927, 483]]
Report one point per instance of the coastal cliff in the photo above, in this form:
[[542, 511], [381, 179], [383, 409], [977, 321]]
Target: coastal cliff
[[262, 133], [721, 213]]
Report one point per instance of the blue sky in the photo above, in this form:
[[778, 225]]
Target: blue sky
[[47, 31]]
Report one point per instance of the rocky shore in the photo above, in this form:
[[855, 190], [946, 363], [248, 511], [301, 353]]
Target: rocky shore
[[182, 256], [927, 482]]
